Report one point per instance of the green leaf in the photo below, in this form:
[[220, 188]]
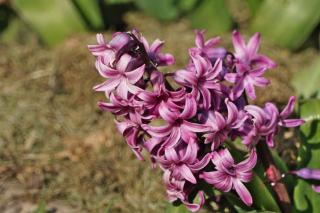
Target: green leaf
[[305, 199], [41, 207], [254, 5], [310, 112], [53, 20], [176, 209], [237, 203], [306, 82], [212, 15], [90, 12], [164, 10], [186, 5], [287, 22], [262, 197]]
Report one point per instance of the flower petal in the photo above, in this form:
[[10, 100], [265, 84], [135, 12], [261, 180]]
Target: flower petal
[[249, 163], [238, 44], [253, 45], [135, 75], [288, 109], [187, 173], [243, 192]]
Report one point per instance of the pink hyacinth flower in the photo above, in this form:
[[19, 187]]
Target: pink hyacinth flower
[[248, 53], [202, 79], [178, 127], [230, 175], [183, 162], [121, 78]]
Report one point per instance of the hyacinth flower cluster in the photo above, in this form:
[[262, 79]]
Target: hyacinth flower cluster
[[185, 119]]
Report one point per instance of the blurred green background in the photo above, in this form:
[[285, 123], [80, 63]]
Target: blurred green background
[[59, 153]]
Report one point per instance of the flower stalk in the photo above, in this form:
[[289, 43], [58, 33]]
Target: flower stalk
[[274, 177]]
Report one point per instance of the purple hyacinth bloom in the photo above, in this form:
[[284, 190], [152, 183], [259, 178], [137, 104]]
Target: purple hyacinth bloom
[[202, 108], [182, 161], [286, 112], [118, 106], [178, 127], [267, 120], [207, 48], [152, 99], [221, 126], [229, 175], [247, 53], [179, 189], [122, 78], [130, 130], [245, 79], [119, 44], [202, 79]]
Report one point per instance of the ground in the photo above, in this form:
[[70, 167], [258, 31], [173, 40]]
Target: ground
[[59, 150]]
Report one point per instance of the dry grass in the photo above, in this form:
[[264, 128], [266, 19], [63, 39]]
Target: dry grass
[[56, 145]]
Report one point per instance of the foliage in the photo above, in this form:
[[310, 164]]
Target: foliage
[[306, 199], [273, 18]]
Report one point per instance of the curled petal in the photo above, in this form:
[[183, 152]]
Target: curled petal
[[231, 77], [201, 164], [165, 59], [187, 174], [157, 131], [216, 70], [249, 163], [156, 46], [219, 179], [108, 85], [199, 38], [193, 127], [222, 159], [200, 64], [193, 207], [291, 122], [206, 98], [173, 138], [106, 71], [123, 62], [288, 109], [261, 81], [263, 61], [243, 192], [166, 114], [171, 155], [250, 91], [190, 108], [185, 77], [232, 112], [119, 40], [257, 71], [191, 153], [135, 75]]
